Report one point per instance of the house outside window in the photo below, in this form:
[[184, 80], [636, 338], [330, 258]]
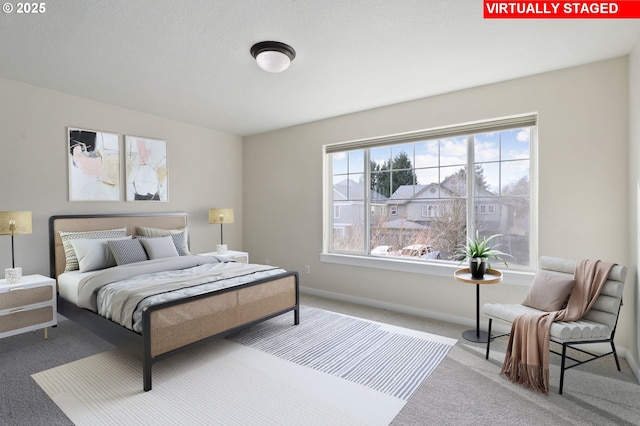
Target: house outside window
[[433, 201]]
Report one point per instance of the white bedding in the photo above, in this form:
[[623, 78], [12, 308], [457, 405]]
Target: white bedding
[[201, 279], [68, 285], [107, 292]]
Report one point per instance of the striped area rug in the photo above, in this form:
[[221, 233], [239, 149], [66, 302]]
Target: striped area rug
[[389, 359], [329, 370]]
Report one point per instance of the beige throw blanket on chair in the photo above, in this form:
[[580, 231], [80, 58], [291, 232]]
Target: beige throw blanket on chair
[[527, 359]]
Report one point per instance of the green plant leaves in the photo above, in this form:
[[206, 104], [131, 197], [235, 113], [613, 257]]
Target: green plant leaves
[[480, 248]]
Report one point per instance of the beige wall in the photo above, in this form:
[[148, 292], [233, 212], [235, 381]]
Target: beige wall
[[583, 186], [204, 168], [634, 192]]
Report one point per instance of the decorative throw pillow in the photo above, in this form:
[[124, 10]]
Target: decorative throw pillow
[[548, 292], [127, 251], [70, 254], [179, 240], [94, 253], [180, 237], [159, 247]]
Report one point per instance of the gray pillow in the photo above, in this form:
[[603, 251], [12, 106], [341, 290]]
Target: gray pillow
[[548, 292], [160, 247], [181, 241], [127, 251]]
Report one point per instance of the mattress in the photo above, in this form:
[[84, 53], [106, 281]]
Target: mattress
[[68, 285]]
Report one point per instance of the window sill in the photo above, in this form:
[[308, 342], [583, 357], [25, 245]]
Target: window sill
[[418, 267]]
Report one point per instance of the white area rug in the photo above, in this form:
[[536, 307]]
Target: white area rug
[[389, 359], [228, 383]]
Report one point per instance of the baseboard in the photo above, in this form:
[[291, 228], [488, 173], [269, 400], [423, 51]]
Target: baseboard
[[623, 352], [389, 306]]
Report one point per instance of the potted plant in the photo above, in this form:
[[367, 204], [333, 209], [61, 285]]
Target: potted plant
[[478, 252]]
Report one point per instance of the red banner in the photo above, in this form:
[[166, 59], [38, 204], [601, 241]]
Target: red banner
[[625, 9]]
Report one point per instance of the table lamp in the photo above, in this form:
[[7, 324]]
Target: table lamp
[[221, 216], [14, 223]]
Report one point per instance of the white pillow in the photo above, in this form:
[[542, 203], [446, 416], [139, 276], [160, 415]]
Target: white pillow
[[160, 247], [94, 253], [68, 236]]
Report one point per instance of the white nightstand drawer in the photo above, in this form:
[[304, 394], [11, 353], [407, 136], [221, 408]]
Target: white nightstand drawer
[[28, 305], [20, 319], [16, 297]]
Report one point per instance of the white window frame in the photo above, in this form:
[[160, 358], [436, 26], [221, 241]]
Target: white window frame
[[440, 268]]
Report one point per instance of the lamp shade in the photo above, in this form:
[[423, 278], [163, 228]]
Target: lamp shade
[[15, 222], [273, 56], [220, 216]]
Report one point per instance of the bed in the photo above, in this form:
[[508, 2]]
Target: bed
[[219, 298]]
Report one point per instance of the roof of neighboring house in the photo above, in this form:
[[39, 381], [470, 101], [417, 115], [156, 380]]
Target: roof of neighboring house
[[450, 187], [350, 190], [404, 193]]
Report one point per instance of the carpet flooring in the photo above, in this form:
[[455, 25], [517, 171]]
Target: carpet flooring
[[465, 389], [330, 369]]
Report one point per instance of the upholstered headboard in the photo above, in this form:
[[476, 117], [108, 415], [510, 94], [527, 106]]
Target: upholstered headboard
[[97, 222]]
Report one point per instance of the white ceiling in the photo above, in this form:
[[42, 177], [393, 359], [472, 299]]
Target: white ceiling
[[189, 59]]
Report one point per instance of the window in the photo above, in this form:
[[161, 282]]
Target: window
[[430, 210], [419, 192], [485, 209]]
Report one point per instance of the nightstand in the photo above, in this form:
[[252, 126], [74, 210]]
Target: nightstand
[[28, 305], [238, 256]]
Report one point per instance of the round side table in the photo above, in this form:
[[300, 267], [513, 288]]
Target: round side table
[[491, 276]]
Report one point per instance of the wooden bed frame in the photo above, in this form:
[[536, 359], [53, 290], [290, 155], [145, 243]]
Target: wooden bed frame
[[173, 326]]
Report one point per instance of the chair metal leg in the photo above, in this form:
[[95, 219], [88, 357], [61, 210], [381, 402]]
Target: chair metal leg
[[489, 338], [564, 356], [615, 355]]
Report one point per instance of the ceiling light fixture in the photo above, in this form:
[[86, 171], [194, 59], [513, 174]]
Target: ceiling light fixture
[[273, 56]]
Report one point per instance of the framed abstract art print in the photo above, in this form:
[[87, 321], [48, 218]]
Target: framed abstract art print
[[146, 169], [94, 165]]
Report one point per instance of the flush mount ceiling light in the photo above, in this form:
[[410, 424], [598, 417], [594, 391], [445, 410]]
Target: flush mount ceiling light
[[273, 56]]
